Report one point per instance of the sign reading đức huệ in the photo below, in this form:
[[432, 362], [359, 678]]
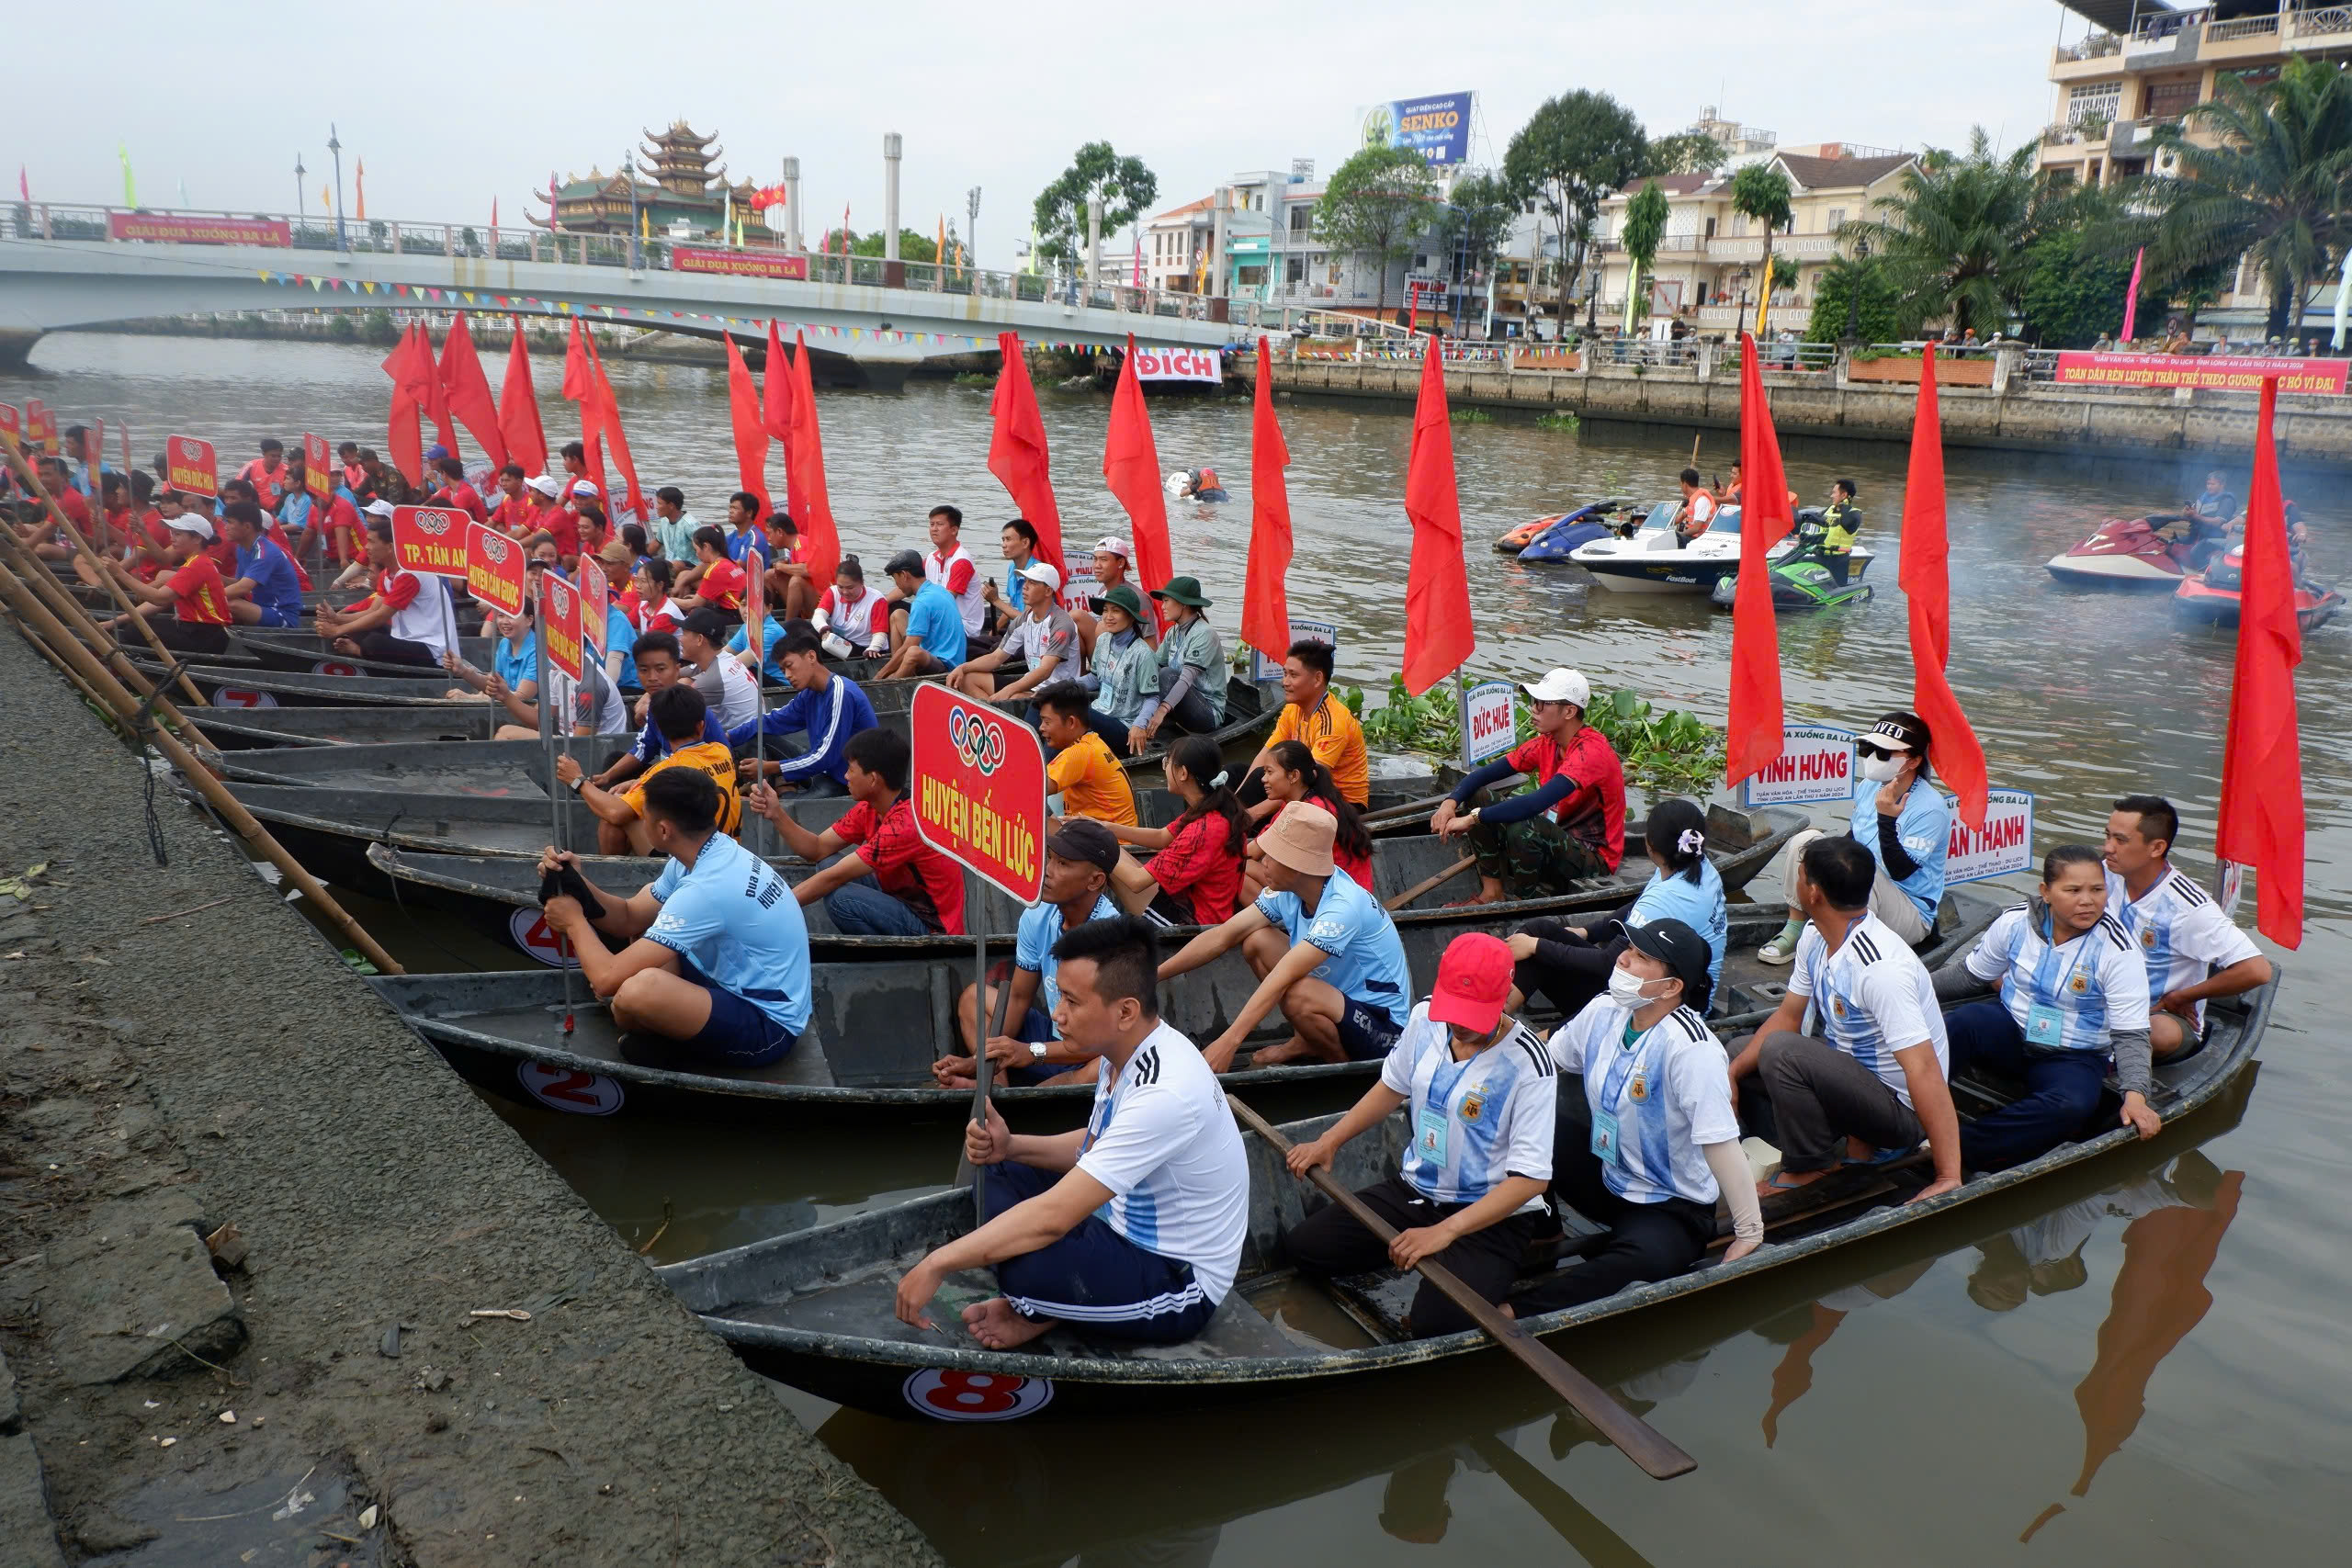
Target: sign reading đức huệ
[[2223, 373], [1491, 711], [978, 789], [737, 264], [179, 231]]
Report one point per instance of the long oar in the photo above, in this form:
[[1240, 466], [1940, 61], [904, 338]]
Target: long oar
[[1642, 1442], [1429, 884]]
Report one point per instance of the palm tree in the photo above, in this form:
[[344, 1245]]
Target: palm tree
[[1645, 218], [1955, 237], [2276, 188], [1762, 193]]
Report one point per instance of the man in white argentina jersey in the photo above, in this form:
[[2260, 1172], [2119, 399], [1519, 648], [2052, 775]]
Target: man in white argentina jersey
[[2194, 952], [1648, 1139], [2073, 994], [1477, 1088], [1131, 1229], [1871, 1082]]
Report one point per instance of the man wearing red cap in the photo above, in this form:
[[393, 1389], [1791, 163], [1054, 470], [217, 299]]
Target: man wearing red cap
[[1477, 1087]]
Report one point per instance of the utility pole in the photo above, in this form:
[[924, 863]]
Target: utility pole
[[892, 147], [972, 223], [334, 145], [628, 173], [1093, 242], [300, 211], [792, 233]]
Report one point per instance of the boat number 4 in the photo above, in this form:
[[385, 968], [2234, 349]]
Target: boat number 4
[[951, 1393], [568, 1088], [535, 936]]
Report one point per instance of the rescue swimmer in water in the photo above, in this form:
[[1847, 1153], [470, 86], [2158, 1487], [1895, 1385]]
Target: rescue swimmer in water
[[1196, 484]]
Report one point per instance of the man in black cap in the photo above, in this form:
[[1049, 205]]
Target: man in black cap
[[1080, 856], [1648, 1139]]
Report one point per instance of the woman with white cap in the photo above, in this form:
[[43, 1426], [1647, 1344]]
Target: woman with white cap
[[1905, 822], [1571, 827]]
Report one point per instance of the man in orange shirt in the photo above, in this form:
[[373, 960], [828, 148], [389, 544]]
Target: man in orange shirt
[[1312, 714], [1082, 771], [193, 589]]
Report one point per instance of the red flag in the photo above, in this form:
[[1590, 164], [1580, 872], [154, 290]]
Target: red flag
[[777, 385], [518, 411], [750, 433], [1765, 520], [608, 424], [2262, 765], [1017, 454], [1265, 608], [579, 387], [804, 457], [405, 435], [1131, 468], [466, 390], [1437, 634], [1926, 584], [436, 397]]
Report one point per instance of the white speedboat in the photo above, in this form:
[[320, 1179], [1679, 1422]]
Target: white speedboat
[[1652, 560]]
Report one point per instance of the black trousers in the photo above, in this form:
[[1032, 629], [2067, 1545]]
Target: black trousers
[[180, 636], [1329, 1241], [379, 644], [1647, 1241], [1568, 971]]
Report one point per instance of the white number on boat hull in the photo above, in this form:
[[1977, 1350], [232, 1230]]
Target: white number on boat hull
[[566, 1089]]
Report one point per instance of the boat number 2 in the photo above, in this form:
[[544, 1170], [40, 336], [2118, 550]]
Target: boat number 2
[[568, 1088], [951, 1393]]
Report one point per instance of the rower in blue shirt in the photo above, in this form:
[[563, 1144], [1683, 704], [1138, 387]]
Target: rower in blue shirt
[[264, 593], [1568, 966], [771, 645], [826, 708], [1905, 824]]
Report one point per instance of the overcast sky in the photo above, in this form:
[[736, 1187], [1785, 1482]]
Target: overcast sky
[[451, 104]]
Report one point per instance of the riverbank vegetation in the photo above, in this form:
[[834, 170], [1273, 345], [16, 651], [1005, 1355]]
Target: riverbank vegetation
[[1665, 751]]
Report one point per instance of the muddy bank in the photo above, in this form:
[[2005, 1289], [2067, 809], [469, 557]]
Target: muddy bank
[[245, 1218]]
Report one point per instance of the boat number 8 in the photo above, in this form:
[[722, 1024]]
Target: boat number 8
[[950, 1393]]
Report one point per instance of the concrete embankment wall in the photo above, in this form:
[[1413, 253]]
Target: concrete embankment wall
[[2314, 432]]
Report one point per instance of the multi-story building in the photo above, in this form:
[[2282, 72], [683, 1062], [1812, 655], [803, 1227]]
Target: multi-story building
[[2140, 64]]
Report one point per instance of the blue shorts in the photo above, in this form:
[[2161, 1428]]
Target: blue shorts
[[739, 1034], [277, 617], [1366, 1030], [1094, 1278]]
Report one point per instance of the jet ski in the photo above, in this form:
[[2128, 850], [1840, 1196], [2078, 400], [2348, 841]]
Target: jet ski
[[2130, 552], [1653, 561], [1802, 579], [1556, 539], [2210, 597]]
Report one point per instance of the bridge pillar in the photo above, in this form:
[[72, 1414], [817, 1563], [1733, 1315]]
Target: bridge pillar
[[17, 346]]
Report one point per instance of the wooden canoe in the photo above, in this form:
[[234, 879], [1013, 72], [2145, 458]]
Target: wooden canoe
[[814, 1308]]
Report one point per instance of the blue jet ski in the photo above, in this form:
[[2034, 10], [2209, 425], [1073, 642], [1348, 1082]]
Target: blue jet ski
[[1556, 538]]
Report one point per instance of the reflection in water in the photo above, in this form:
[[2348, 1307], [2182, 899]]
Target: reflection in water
[[1808, 1328]]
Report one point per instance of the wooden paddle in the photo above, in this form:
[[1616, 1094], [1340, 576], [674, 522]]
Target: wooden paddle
[[1642, 1443], [1429, 884]]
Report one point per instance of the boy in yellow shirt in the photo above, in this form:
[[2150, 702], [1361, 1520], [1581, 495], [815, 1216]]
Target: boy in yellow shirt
[[1311, 713], [1083, 774], [621, 829]]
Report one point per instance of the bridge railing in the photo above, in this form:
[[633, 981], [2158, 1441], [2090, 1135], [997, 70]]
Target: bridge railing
[[759, 257]]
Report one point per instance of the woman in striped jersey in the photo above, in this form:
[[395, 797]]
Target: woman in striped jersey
[[2074, 996]]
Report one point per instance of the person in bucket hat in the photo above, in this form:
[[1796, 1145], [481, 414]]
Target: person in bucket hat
[[1191, 667]]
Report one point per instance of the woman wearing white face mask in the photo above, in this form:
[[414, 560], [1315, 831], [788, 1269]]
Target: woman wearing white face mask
[[1651, 1140], [1905, 822]]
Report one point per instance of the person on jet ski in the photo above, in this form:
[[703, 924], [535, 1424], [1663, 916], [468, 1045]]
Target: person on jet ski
[[2209, 517], [1697, 511], [1841, 522]]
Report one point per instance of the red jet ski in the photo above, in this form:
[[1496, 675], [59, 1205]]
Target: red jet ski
[[2128, 552], [2211, 598]]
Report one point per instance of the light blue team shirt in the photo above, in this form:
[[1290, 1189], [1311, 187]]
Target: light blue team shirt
[[1367, 960], [1040, 927], [1869, 998], [2085, 989], [932, 615], [1924, 825], [735, 920], [771, 648], [621, 637], [1702, 908], [515, 666]]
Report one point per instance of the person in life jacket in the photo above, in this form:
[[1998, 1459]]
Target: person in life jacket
[[1203, 485], [1843, 524]]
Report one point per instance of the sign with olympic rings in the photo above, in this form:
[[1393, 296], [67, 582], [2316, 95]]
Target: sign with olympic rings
[[978, 789]]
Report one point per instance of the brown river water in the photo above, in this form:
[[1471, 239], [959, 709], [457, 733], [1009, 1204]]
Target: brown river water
[[2147, 1365]]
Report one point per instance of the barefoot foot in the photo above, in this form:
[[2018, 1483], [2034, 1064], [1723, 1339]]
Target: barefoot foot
[[995, 1324]]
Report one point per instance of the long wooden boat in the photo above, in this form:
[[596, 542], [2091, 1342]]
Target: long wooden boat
[[880, 1024], [316, 728], [814, 1308]]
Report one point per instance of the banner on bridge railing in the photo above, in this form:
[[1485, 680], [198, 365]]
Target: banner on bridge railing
[[2221, 373], [737, 264], [180, 231]]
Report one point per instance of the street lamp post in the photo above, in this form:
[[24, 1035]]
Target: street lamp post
[[628, 173], [300, 210], [334, 145], [972, 223]]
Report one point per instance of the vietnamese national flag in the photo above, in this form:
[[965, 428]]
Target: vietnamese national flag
[[580, 387], [410, 365], [1437, 634], [1756, 720], [1131, 468], [608, 424], [1265, 606], [518, 410], [1953, 746], [751, 433], [777, 383], [2262, 765], [465, 390], [1017, 453], [804, 456]]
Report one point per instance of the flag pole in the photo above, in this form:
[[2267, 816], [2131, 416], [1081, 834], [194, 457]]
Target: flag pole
[[567, 962]]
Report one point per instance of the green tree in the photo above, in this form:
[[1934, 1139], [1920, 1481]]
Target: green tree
[[1762, 193], [2074, 292], [1645, 218], [1375, 204], [1125, 185], [1571, 153], [1478, 220], [1685, 153], [1862, 283], [913, 246], [2277, 187], [1956, 238]]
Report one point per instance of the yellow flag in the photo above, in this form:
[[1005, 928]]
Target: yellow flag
[[645, 222], [326, 198]]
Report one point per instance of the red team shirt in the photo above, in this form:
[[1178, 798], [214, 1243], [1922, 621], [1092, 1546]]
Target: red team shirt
[[723, 584], [1594, 812], [1197, 862], [908, 869], [203, 596]]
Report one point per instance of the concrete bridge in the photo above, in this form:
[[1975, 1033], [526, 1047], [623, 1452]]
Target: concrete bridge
[[869, 320]]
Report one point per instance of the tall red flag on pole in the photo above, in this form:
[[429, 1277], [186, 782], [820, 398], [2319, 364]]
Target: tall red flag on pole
[[1017, 454], [580, 387], [1755, 721], [804, 459], [777, 386], [466, 388], [436, 396], [1437, 634], [750, 435], [2262, 764], [403, 435], [1265, 606], [1926, 577], [1131, 469], [518, 410], [608, 424]]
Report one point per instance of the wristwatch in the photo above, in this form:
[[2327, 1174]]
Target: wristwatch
[[1037, 1051], [577, 783]]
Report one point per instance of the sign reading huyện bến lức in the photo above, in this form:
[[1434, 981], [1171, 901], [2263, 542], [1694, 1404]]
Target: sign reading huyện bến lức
[[977, 785]]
